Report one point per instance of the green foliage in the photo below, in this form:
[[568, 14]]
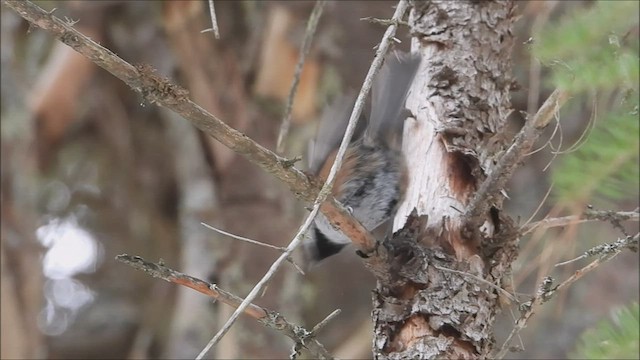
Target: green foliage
[[606, 166], [618, 338], [596, 51], [594, 48]]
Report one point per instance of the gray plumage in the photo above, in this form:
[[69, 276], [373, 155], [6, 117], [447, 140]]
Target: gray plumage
[[371, 180]]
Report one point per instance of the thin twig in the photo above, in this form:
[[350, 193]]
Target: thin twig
[[268, 318], [606, 252], [513, 317], [535, 67], [503, 170], [587, 131], [589, 215], [298, 345], [255, 242], [325, 321], [526, 309], [537, 237], [384, 22], [242, 238], [257, 289], [545, 291], [214, 21], [544, 199], [548, 142], [159, 90], [312, 24], [629, 242], [554, 152], [324, 192], [583, 256]]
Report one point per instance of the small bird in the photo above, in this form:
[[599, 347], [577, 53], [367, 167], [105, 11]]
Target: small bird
[[373, 177]]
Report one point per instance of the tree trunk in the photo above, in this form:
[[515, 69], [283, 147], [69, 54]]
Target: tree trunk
[[431, 304]]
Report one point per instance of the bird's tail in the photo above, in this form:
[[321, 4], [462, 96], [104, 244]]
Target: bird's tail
[[389, 93]]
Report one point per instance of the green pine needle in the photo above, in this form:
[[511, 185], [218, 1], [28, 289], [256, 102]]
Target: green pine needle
[[618, 338], [606, 166], [596, 50]]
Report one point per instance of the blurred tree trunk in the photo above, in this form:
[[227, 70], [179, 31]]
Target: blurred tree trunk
[[22, 281], [460, 104], [218, 186]]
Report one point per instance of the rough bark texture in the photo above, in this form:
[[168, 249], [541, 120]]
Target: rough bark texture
[[434, 306]]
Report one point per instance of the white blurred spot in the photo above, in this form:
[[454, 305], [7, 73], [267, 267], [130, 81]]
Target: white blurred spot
[[51, 321], [71, 250], [68, 293]]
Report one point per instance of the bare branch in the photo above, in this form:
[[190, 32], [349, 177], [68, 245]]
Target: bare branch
[[265, 279], [325, 321], [546, 291], [384, 22], [242, 238], [604, 249], [526, 310], [503, 170], [587, 216], [159, 90], [255, 242], [156, 89], [268, 318], [544, 199], [214, 21], [304, 50], [297, 346], [606, 252]]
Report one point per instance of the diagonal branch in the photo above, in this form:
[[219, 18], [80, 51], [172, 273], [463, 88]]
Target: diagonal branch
[[257, 289], [589, 215], [304, 50], [268, 318], [155, 89], [629, 242], [501, 173], [546, 291]]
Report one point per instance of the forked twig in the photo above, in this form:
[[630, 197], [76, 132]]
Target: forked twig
[[503, 170], [546, 291], [214, 21], [589, 215], [268, 318]]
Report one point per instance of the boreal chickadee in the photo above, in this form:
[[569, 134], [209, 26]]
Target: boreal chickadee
[[372, 180]]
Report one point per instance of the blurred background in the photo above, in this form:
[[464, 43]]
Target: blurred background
[[91, 170]]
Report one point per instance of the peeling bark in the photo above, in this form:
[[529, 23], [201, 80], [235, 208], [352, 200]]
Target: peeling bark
[[431, 304]]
